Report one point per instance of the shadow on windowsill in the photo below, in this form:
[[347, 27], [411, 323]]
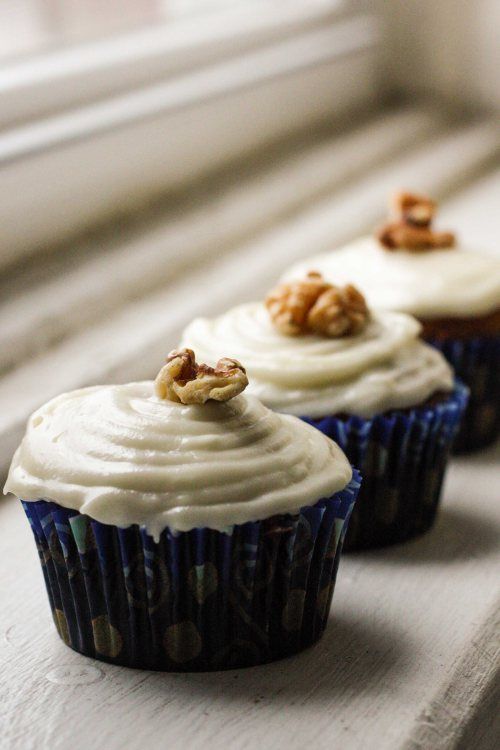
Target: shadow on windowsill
[[352, 657], [457, 535]]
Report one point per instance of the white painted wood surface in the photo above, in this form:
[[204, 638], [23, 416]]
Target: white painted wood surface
[[410, 659]]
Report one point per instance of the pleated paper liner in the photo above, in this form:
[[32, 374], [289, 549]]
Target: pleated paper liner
[[477, 363], [402, 457], [198, 600]]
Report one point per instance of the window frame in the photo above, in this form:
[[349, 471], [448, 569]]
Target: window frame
[[62, 156]]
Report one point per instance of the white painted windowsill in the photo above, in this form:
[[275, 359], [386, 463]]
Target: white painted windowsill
[[409, 660]]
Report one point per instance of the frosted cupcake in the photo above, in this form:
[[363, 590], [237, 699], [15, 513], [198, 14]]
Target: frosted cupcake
[[363, 378], [453, 291], [181, 525]]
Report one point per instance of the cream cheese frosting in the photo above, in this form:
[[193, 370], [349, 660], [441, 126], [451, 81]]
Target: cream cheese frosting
[[124, 456], [452, 282], [383, 367]]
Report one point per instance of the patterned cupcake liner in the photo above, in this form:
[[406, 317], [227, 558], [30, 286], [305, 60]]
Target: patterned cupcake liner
[[194, 601], [477, 363], [402, 457]]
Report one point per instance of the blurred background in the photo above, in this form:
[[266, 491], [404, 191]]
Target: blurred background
[[161, 159]]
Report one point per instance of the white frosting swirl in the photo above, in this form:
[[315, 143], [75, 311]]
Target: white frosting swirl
[[123, 456], [453, 282], [383, 367]]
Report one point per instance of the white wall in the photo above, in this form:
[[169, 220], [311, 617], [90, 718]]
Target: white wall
[[448, 48]]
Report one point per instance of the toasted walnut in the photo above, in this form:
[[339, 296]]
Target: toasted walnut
[[411, 228], [289, 304], [184, 381], [312, 305], [414, 209]]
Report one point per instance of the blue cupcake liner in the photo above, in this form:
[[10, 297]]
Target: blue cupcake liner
[[194, 601], [402, 457], [477, 363]]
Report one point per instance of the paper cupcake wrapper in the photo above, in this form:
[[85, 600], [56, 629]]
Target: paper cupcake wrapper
[[198, 600], [477, 363], [402, 456]]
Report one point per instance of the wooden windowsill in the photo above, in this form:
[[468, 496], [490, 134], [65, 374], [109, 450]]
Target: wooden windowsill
[[408, 661]]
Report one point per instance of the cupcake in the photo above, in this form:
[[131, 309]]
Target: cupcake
[[181, 525], [362, 377], [454, 292]]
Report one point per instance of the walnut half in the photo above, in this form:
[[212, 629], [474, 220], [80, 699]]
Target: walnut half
[[412, 226], [312, 305], [184, 381]]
